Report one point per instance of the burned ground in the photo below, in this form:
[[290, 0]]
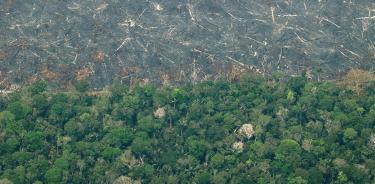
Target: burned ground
[[179, 41]]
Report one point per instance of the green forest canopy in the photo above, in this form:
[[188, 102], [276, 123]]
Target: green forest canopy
[[299, 132]]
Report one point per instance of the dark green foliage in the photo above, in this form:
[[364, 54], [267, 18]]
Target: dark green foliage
[[144, 172], [40, 102], [119, 137], [6, 117], [304, 132], [203, 178], [38, 87], [19, 109], [141, 146], [197, 148], [34, 141], [297, 84], [81, 85], [287, 155], [53, 175], [110, 153]]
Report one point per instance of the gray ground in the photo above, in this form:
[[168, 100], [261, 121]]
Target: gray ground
[[172, 41]]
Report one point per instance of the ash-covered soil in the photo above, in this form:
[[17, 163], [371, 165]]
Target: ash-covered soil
[[174, 41]]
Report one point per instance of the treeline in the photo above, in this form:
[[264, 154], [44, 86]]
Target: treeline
[[256, 130]]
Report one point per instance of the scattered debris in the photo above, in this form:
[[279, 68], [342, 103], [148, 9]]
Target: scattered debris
[[199, 39], [157, 6], [48, 75], [83, 73], [3, 55], [99, 56], [102, 6]]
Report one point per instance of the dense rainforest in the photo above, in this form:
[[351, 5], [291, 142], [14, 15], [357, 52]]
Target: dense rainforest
[[255, 130]]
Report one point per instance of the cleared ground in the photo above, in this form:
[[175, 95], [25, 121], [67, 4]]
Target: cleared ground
[[174, 41]]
